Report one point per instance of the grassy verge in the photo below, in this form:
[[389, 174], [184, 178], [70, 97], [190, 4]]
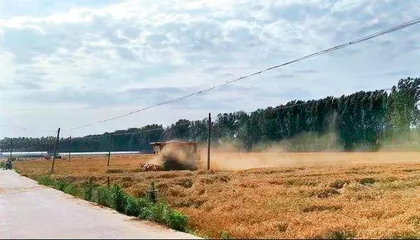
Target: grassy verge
[[115, 198]]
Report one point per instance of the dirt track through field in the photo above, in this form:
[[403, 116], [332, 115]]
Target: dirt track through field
[[29, 210]]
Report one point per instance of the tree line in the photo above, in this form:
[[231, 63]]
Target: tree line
[[362, 120]]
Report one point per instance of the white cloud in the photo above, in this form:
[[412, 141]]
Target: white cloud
[[80, 54]]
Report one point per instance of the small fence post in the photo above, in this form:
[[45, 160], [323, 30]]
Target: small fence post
[[107, 184], [208, 143], [55, 150], [110, 147]]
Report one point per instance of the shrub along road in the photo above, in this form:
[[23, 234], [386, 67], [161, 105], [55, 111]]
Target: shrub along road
[[29, 210]]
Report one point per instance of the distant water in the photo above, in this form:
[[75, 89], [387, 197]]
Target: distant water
[[40, 154]]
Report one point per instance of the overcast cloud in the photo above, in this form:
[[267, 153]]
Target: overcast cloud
[[67, 63]]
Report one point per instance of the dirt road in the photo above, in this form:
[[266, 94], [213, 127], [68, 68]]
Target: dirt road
[[29, 210]]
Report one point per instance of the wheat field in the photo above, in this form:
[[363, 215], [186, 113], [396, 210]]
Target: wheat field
[[273, 195]]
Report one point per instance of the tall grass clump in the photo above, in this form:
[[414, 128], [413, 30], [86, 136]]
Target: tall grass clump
[[87, 192], [59, 184], [163, 213], [176, 220], [100, 195], [135, 206], [71, 189], [46, 180], [117, 198]]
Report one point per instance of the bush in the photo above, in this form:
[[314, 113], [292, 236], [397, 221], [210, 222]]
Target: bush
[[118, 198], [134, 206], [87, 191], [71, 189], [157, 212], [46, 180], [101, 196], [146, 213], [176, 220], [131, 208], [60, 185]]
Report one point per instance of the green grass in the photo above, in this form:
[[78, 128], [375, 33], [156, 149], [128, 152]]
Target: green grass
[[119, 200]]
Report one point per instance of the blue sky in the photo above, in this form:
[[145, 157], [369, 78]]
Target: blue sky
[[67, 63]]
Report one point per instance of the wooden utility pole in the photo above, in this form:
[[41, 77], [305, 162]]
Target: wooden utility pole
[[208, 143], [11, 149], [110, 148], [55, 150], [70, 150]]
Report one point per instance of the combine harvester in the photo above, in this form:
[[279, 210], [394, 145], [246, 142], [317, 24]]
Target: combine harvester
[[173, 155]]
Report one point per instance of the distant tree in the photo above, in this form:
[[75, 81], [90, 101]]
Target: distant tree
[[362, 119]]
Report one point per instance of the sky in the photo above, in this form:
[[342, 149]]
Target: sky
[[72, 62]]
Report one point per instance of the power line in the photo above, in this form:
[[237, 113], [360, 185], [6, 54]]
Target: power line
[[328, 50]]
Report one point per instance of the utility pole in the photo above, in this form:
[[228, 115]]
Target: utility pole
[[55, 150], [208, 143], [109, 149], [11, 149], [70, 149]]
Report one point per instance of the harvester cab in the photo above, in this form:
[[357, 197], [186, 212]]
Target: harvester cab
[[175, 155]]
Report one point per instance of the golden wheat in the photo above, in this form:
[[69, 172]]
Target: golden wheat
[[302, 195]]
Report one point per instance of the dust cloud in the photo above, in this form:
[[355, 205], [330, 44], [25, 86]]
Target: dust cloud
[[303, 150], [175, 157], [408, 141], [229, 156]]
